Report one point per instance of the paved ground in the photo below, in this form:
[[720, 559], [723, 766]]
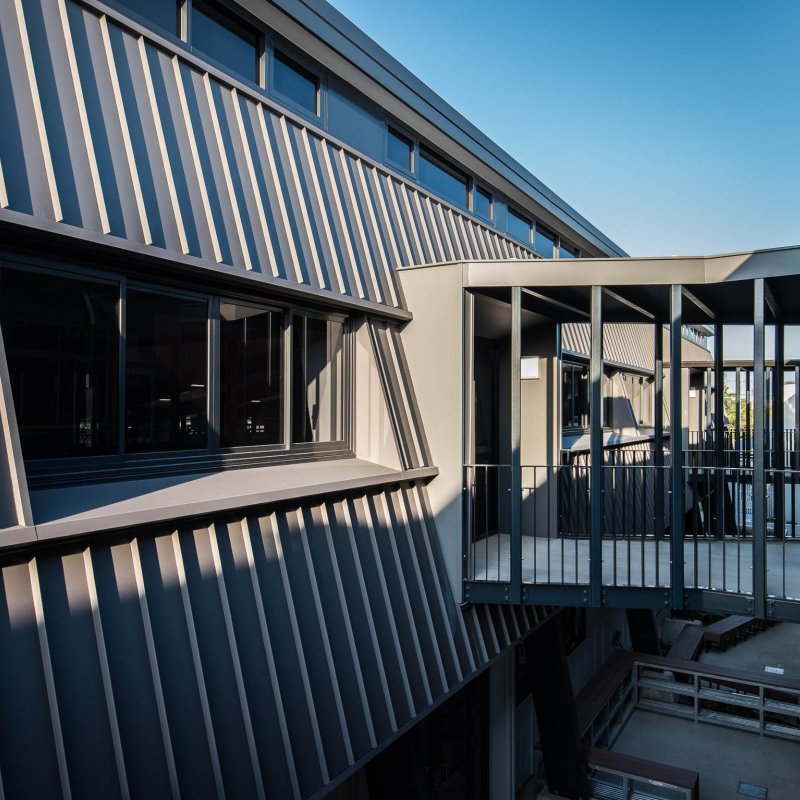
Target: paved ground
[[778, 646], [722, 757], [725, 757]]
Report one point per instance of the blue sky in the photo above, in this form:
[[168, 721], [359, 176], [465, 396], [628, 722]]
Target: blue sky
[[673, 126]]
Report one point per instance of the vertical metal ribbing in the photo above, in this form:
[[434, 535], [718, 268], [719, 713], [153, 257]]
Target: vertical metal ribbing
[[162, 145], [759, 472], [125, 131], [236, 661], [191, 138], [105, 672], [298, 644], [348, 522], [247, 536], [198, 666], [83, 117], [337, 576], [516, 440], [676, 445], [254, 187], [36, 100], [154, 670], [596, 448], [274, 180], [719, 432], [47, 668], [323, 628]]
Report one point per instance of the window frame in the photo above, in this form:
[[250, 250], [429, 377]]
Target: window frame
[[292, 54], [122, 464], [405, 134], [476, 188], [513, 211], [237, 19]]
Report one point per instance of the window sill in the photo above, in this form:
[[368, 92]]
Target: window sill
[[78, 510]]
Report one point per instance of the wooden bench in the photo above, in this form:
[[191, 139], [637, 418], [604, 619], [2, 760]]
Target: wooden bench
[[730, 629], [649, 770], [688, 643], [594, 697]]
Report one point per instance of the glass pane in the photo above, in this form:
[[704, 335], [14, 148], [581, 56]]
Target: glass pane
[[482, 203], [317, 366], [400, 150], [163, 13], [295, 82], [440, 177], [226, 39], [544, 243], [166, 372], [251, 370], [518, 226], [62, 342], [567, 250]]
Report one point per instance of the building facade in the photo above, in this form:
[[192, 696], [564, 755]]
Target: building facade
[[277, 348]]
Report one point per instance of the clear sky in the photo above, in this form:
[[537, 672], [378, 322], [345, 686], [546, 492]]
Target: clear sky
[[674, 127]]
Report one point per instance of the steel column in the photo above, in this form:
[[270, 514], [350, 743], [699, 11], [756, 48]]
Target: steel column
[[779, 463], [659, 522], [759, 474], [516, 438], [676, 446], [596, 448], [719, 432]]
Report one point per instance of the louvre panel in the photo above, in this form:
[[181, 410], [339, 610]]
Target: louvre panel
[[258, 655], [107, 132]]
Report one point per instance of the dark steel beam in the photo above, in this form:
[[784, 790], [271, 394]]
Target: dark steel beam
[[696, 301], [676, 446], [596, 448], [629, 303], [516, 439], [772, 303], [759, 475], [556, 303]]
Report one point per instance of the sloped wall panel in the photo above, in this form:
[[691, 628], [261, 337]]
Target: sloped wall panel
[[257, 655], [107, 131]]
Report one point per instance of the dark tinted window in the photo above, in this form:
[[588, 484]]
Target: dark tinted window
[[482, 203], [544, 243], [62, 342], [518, 226], [163, 13], [442, 178], [295, 82], [400, 150], [317, 380], [166, 373], [567, 250], [218, 33], [575, 395], [251, 371]]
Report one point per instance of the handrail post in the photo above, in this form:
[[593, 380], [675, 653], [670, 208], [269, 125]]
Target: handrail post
[[516, 441], [759, 475], [676, 446], [596, 449]]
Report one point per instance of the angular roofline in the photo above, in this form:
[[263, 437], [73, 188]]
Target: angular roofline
[[332, 27]]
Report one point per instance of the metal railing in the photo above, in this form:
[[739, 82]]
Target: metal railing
[[718, 697], [555, 545]]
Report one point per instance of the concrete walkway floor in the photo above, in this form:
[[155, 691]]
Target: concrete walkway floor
[[723, 757]]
